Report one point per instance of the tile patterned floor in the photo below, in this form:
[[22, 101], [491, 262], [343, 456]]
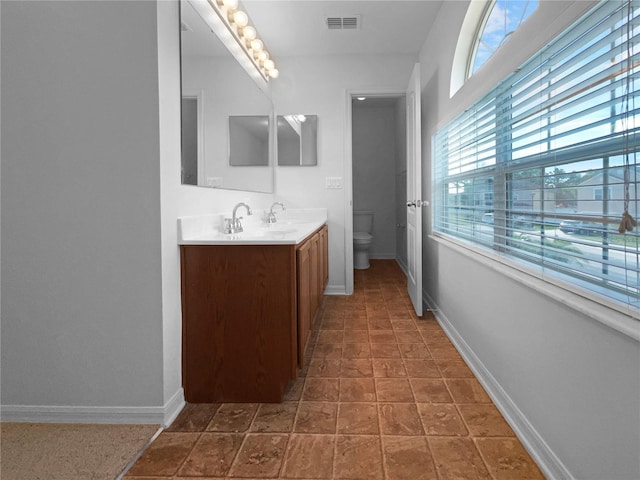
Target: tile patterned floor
[[384, 395]]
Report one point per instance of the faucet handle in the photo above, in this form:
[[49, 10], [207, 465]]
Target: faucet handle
[[238, 226], [228, 227]]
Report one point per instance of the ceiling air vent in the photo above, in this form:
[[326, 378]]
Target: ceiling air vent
[[351, 22]]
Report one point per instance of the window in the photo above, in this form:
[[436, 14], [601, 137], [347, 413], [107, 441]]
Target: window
[[500, 19], [522, 172], [597, 193]]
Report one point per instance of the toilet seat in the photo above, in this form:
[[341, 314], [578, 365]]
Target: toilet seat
[[362, 237]]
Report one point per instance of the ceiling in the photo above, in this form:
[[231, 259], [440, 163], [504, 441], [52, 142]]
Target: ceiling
[[298, 27]]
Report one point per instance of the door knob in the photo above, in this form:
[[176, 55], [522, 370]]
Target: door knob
[[415, 203]]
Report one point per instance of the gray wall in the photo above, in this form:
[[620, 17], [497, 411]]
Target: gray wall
[[81, 274], [569, 382], [374, 171]]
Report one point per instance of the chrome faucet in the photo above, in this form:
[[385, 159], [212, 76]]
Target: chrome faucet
[[233, 224], [271, 217]]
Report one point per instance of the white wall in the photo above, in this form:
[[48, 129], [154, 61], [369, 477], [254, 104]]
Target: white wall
[[320, 86], [569, 384], [374, 172]]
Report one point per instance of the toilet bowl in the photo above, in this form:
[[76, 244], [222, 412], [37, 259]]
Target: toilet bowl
[[362, 238]]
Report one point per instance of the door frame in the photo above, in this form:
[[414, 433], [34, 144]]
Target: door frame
[[348, 171]]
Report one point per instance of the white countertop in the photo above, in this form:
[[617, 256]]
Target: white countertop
[[291, 228]]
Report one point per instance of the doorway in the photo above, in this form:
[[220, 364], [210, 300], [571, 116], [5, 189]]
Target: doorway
[[379, 170]]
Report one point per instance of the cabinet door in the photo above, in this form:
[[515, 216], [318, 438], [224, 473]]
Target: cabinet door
[[324, 259], [304, 299], [314, 268]]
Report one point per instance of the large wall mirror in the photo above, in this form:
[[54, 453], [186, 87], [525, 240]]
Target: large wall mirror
[[297, 140], [226, 118]]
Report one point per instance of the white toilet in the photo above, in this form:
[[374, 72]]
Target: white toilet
[[362, 238]]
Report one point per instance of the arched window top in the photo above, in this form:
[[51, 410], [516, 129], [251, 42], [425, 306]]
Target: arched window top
[[500, 19]]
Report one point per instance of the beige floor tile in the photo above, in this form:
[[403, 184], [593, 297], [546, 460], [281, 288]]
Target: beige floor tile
[[441, 419], [430, 390], [414, 350], [212, 455], [233, 417], [408, 458], [421, 368], [467, 390], [389, 367], [275, 417], [385, 350], [260, 456], [382, 336], [358, 457], [484, 420], [356, 336], [508, 460], [399, 419], [316, 417], [394, 390], [165, 454], [194, 417], [358, 419], [309, 456], [357, 390], [453, 368], [318, 389], [457, 458], [324, 367], [356, 350], [356, 367], [383, 394]]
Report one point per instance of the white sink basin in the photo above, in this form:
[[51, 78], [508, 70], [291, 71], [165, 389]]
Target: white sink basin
[[206, 230]]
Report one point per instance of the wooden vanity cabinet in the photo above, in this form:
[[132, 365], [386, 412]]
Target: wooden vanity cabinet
[[247, 311], [312, 277]]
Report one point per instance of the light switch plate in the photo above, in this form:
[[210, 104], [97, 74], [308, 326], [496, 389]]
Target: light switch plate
[[214, 181], [333, 182]]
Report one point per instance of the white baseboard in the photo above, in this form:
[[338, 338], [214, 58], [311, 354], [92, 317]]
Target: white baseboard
[[382, 256], [546, 459], [173, 407], [403, 266], [336, 290], [163, 415]]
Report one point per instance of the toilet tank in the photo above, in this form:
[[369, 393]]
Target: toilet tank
[[362, 221]]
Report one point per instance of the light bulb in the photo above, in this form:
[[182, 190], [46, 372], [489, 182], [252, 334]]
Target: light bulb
[[263, 56], [230, 4], [257, 45], [269, 64], [249, 32], [274, 73], [241, 19]]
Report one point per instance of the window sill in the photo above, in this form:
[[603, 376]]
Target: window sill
[[609, 314]]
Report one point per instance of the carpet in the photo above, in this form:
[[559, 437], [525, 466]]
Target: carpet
[[40, 451]]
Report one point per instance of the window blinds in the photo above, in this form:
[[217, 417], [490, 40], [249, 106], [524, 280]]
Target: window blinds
[[543, 167]]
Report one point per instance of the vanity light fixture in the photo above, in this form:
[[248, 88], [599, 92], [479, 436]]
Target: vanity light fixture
[[238, 25]]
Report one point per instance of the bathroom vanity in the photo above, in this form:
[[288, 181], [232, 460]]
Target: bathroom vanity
[[248, 304]]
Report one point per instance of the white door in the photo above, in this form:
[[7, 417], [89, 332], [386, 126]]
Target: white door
[[414, 191]]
